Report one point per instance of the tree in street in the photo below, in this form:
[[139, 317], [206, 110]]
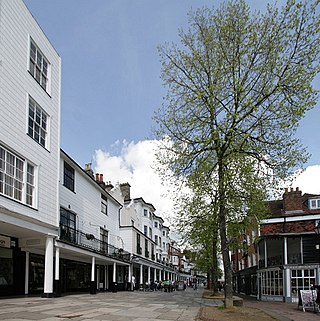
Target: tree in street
[[237, 87]]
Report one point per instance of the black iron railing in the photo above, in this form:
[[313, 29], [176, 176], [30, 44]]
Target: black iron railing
[[90, 242]]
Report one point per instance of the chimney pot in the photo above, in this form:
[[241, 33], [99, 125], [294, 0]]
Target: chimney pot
[[97, 177], [101, 177], [297, 189]]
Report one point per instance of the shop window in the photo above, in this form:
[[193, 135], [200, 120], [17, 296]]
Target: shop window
[[6, 267], [302, 280]]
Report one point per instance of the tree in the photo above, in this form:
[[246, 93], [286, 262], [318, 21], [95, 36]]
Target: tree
[[238, 85]]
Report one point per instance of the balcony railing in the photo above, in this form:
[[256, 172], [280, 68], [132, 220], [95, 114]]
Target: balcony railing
[[89, 242]]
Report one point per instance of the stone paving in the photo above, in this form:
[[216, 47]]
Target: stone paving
[[124, 306], [133, 306]]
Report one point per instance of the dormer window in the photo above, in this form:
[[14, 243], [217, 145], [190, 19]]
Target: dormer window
[[314, 204]]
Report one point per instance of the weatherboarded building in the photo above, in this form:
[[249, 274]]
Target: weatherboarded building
[[30, 72]]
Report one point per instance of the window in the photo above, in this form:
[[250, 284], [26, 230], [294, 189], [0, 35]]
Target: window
[[139, 249], [67, 225], [104, 241], [104, 204], [302, 280], [146, 251], [163, 233], [37, 123], [150, 232], [145, 213], [145, 230], [156, 224], [17, 177], [314, 204], [68, 177], [156, 239], [272, 282], [38, 66]]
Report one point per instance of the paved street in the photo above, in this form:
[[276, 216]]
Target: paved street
[[133, 306], [124, 306]]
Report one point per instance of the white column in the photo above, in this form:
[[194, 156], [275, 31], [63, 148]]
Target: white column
[[149, 274], [285, 245], [114, 277], [287, 285], [155, 274], [141, 274], [265, 253], [129, 276], [93, 266], [57, 263], [26, 282], [48, 266]]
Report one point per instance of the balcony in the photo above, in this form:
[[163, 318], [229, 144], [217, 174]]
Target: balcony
[[89, 242]]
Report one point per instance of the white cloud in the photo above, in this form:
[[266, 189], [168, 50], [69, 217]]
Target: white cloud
[[135, 164], [309, 180]]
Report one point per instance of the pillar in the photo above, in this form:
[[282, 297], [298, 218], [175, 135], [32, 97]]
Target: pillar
[[26, 282], [141, 274], [129, 285], [149, 275], [57, 274], [48, 268], [114, 278], [93, 287]]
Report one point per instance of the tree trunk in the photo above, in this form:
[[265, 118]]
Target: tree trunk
[[228, 288], [214, 266]]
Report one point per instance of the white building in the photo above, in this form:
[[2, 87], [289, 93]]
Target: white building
[[30, 72], [89, 245], [142, 232]]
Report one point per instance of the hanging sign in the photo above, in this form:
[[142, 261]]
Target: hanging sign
[[5, 241]]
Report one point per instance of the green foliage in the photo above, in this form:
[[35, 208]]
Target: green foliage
[[237, 86]]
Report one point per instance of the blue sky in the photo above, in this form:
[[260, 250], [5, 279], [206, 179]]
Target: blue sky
[[111, 71]]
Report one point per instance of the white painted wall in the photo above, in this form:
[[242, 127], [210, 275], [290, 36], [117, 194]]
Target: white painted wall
[[85, 202], [16, 27]]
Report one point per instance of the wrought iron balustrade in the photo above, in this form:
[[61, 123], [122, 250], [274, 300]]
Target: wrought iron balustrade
[[90, 242]]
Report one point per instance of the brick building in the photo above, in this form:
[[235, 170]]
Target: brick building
[[281, 256]]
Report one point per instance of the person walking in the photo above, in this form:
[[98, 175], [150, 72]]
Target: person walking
[[133, 282]]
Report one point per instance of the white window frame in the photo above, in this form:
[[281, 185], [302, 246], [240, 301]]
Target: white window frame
[[104, 204], [17, 178], [39, 115], [39, 66], [314, 203]]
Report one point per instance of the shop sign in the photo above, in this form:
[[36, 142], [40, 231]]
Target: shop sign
[[4, 241]]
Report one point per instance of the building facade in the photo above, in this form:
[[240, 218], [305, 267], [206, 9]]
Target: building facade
[[282, 256], [62, 228], [30, 72]]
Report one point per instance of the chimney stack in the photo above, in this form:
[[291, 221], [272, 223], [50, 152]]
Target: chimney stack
[[292, 200], [88, 169], [97, 177], [109, 186], [125, 191]]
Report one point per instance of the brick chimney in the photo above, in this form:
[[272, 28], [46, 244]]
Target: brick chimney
[[125, 191], [88, 169], [292, 201], [99, 180]]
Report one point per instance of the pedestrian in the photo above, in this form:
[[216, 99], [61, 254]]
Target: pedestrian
[[133, 282]]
